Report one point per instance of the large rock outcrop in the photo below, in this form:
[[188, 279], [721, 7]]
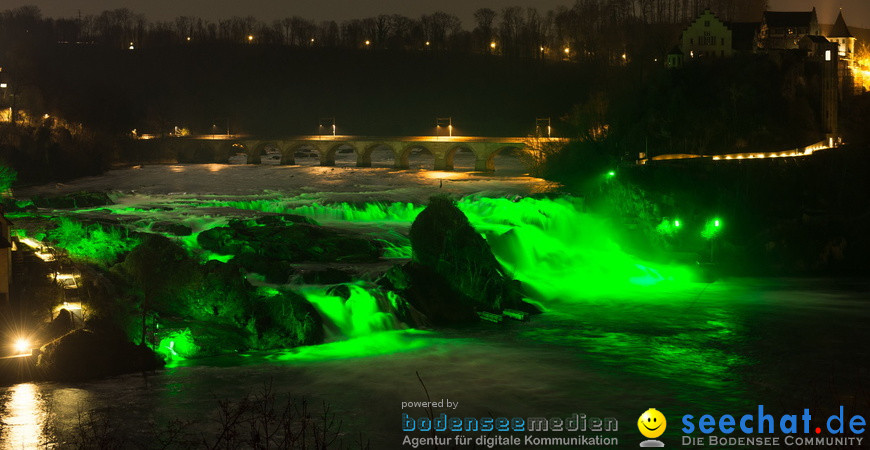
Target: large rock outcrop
[[268, 244], [453, 274], [94, 352]]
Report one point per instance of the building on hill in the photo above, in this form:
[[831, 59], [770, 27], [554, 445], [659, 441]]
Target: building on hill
[[744, 36], [675, 58], [841, 35], [706, 37], [822, 61], [781, 30], [845, 41]]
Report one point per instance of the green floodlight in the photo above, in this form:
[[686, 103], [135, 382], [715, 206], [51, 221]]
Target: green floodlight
[[669, 227], [612, 173], [712, 228]]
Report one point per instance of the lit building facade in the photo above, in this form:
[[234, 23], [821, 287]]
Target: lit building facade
[[706, 37], [784, 30]]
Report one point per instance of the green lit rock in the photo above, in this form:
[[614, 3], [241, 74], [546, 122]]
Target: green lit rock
[[174, 229], [285, 320], [74, 200], [453, 273], [284, 238]]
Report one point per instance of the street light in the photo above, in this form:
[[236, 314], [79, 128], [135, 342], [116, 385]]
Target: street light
[[492, 45], [250, 38], [540, 123], [326, 122], [442, 121]]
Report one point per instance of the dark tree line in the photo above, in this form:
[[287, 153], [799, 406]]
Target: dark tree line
[[589, 26]]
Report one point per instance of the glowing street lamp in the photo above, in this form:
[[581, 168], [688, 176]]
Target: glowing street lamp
[[492, 45], [541, 123], [326, 122], [567, 51], [21, 346], [250, 38], [442, 121], [368, 42], [427, 43]]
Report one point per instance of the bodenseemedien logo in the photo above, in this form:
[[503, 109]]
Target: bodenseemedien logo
[[652, 424]]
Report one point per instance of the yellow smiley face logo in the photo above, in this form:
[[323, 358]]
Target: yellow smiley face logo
[[652, 423]]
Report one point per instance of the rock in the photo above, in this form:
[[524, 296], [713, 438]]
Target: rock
[[286, 320], [287, 240], [75, 200], [84, 354], [59, 326], [175, 229], [427, 298], [328, 275], [453, 272], [275, 271]]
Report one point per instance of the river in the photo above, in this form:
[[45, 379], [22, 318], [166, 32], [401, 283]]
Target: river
[[605, 346]]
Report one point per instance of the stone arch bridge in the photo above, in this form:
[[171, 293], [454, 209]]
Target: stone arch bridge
[[442, 148]]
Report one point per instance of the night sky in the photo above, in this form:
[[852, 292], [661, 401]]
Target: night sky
[[857, 12]]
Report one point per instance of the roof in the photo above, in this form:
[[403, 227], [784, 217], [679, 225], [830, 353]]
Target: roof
[[743, 34], [840, 29], [817, 39], [783, 19]]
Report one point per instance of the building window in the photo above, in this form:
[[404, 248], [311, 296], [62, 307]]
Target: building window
[[827, 55]]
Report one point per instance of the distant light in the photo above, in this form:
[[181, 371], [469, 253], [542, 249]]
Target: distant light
[[677, 223], [624, 56], [3, 85], [312, 40], [716, 223], [611, 173], [131, 46], [427, 42], [250, 37], [368, 42], [567, 50], [21, 346], [492, 45], [188, 39], [542, 48], [45, 116]]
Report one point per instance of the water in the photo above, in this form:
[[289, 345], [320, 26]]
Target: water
[[619, 335]]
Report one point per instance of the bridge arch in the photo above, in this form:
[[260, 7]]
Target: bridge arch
[[364, 159], [295, 153], [327, 157], [404, 156], [450, 156], [260, 149], [485, 157], [237, 148]]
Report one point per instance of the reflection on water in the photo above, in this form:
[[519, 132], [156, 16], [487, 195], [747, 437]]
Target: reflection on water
[[24, 417]]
